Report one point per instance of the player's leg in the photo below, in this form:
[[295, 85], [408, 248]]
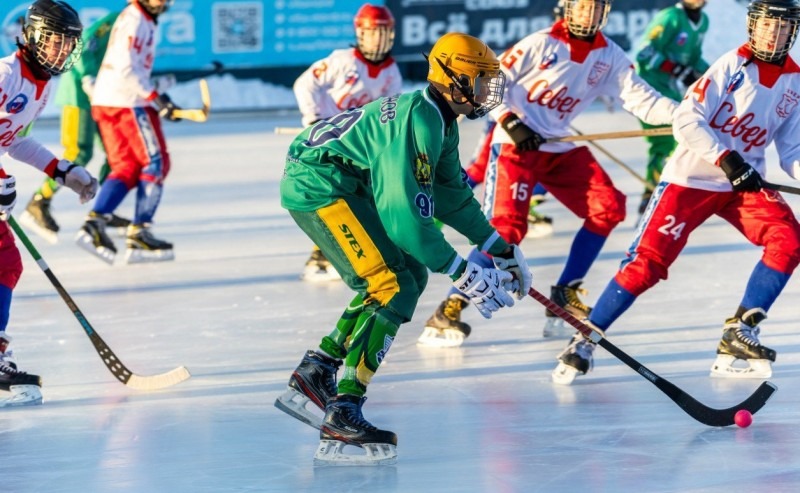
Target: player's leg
[[659, 149], [661, 236], [17, 388], [767, 221], [576, 179], [539, 225]]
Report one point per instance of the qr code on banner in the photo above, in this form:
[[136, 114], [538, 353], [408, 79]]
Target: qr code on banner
[[237, 27]]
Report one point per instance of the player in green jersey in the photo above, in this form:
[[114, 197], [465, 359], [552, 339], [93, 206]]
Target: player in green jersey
[[670, 59], [365, 186]]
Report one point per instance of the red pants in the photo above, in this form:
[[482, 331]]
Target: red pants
[[134, 142], [10, 259], [762, 217], [575, 178]]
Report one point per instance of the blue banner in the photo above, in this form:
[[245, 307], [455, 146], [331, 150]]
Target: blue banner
[[238, 33]]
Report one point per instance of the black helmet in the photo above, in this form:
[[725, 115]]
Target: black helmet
[[51, 33], [764, 41]]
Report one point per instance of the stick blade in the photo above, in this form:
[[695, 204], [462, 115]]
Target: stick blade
[[725, 417], [160, 381], [205, 95]]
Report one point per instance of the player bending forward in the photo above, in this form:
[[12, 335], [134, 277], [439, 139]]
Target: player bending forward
[[50, 45], [743, 103], [363, 185]]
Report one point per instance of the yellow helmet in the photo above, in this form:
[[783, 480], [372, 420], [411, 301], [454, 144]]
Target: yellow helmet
[[466, 70]]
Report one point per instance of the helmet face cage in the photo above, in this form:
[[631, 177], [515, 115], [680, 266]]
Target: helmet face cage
[[466, 70], [52, 34], [772, 28], [374, 32], [586, 17]]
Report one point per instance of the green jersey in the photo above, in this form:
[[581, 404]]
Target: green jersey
[[95, 41], [399, 152], [671, 36]]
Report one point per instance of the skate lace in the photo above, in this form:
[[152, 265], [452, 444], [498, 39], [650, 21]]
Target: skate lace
[[330, 378], [9, 370], [355, 416], [572, 298], [581, 346], [748, 335]]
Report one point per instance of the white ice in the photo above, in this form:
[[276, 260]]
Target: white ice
[[484, 417]]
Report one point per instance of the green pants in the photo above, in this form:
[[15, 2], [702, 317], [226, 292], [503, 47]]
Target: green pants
[[660, 147], [388, 283]]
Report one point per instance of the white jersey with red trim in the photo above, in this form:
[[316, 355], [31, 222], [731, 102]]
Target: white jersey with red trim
[[552, 77], [344, 80], [741, 104], [124, 77], [22, 99]]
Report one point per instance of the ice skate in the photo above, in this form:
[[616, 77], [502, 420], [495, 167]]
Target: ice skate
[[93, 238], [539, 225], [645, 200], [313, 381], [567, 298], [24, 387], [576, 358], [319, 269], [118, 224], [445, 328], [142, 246], [38, 219], [344, 425], [739, 353]]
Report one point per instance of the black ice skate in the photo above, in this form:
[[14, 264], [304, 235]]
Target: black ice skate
[[344, 424], [118, 224], [739, 353], [576, 358], [37, 217], [314, 380], [319, 269], [445, 328], [539, 225], [24, 387], [93, 238], [566, 297], [142, 246]]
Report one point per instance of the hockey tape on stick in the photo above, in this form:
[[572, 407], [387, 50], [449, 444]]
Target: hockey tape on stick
[[114, 365], [697, 410], [647, 132], [782, 188]]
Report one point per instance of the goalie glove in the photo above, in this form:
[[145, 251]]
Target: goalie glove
[[75, 178], [8, 195], [485, 288], [513, 262]]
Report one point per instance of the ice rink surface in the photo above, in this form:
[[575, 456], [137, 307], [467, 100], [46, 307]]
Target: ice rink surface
[[481, 418]]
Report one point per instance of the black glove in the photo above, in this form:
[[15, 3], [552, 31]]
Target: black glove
[[524, 137], [675, 69], [690, 77], [742, 176], [166, 108]]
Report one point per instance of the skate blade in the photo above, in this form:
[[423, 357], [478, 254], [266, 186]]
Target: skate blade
[[727, 366], [85, 241], [294, 403], [330, 453], [139, 256], [556, 327], [316, 275], [564, 374], [433, 337], [23, 395], [27, 220]]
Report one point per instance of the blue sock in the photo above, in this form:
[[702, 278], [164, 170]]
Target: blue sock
[[612, 303], [478, 257], [148, 196], [763, 288], [538, 189], [584, 251], [111, 194], [5, 306]]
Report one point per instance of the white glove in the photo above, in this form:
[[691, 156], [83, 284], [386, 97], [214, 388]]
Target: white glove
[[87, 84], [8, 196], [485, 287], [165, 82], [76, 178], [518, 267]]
